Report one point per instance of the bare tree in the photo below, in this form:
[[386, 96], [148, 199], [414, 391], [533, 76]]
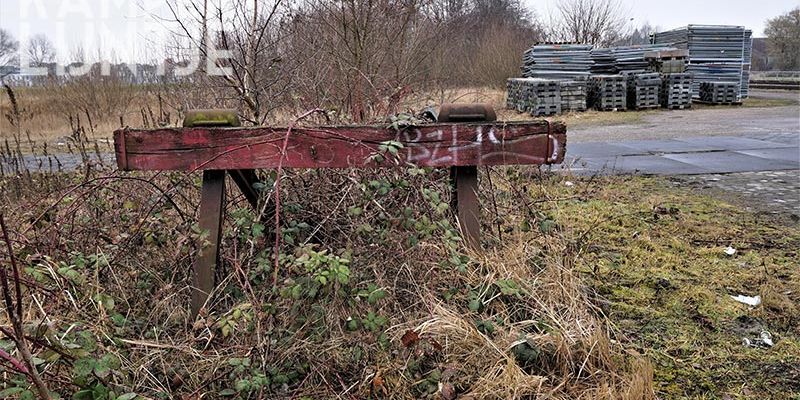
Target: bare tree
[[637, 36], [595, 22], [783, 40], [8, 51], [249, 29], [40, 50]]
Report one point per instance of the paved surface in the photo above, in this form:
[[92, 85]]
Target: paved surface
[[773, 192], [705, 121], [688, 155]]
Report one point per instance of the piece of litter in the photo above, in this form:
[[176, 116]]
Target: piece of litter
[[749, 300], [730, 251], [569, 184], [766, 338]]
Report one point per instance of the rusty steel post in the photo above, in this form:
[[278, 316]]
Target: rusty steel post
[[464, 179]]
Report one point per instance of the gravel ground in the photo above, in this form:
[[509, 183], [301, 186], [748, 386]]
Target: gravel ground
[[706, 121], [699, 122]]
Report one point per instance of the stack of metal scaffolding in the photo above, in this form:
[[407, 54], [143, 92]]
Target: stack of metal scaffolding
[[608, 92], [719, 92], [643, 90], [718, 53], [573, 95], [604, 63], [676, 91], [557, 61]]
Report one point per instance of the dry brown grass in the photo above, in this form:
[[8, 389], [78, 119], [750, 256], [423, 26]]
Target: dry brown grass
[[45, 115]]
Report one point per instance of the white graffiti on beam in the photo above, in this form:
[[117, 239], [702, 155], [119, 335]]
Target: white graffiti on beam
[[554, 156], [435, 155]]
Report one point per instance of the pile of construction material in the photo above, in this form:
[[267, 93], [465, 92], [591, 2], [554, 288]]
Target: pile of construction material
[[557, 61], [719, 92], [607, 92], [539, 97], [676, 91], [573, 96], [643, 90], [717, 53]]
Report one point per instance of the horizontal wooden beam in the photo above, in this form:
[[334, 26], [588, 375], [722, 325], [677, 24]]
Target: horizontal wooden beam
[[434, 145]]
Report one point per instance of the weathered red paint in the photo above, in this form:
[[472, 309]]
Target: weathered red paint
[[434, 145]]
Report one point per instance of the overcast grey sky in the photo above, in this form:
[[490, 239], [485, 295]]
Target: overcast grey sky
[[125, 28]]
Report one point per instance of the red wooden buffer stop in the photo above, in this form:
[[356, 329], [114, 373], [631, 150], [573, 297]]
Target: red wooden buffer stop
[[464, 138]]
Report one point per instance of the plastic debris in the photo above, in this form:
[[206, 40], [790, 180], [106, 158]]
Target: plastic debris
[[764, 340], [569, 184], [749, 300], [730, 251]]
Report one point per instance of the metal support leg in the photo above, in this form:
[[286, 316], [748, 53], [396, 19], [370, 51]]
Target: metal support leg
[[245, 179], [464, 181], [212, 200]]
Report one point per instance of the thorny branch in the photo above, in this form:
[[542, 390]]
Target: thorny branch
[[15, 315]]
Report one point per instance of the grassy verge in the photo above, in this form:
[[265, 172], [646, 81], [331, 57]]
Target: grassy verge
[[656, 256], [768, 102]]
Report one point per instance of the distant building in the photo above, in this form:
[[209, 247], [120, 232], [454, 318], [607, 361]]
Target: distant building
[[137, 74], [11, 75]]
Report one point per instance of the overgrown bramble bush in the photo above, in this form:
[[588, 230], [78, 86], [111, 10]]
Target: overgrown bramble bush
[[376, 297]]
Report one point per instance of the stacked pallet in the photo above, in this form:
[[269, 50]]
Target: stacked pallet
[[676, 91], [534, 95], [557, 61], [643, 90], [716, 53], [514, 94], [544, 97], [719, 92], [608, 92], [573, 95]]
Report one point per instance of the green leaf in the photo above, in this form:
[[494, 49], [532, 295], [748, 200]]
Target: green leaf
[[227, 392], [102, 370], [84, 367], [547, 226], [242, 385], [474, 305], [11, 391], [376, 296], [127, 396], [85, 394]]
